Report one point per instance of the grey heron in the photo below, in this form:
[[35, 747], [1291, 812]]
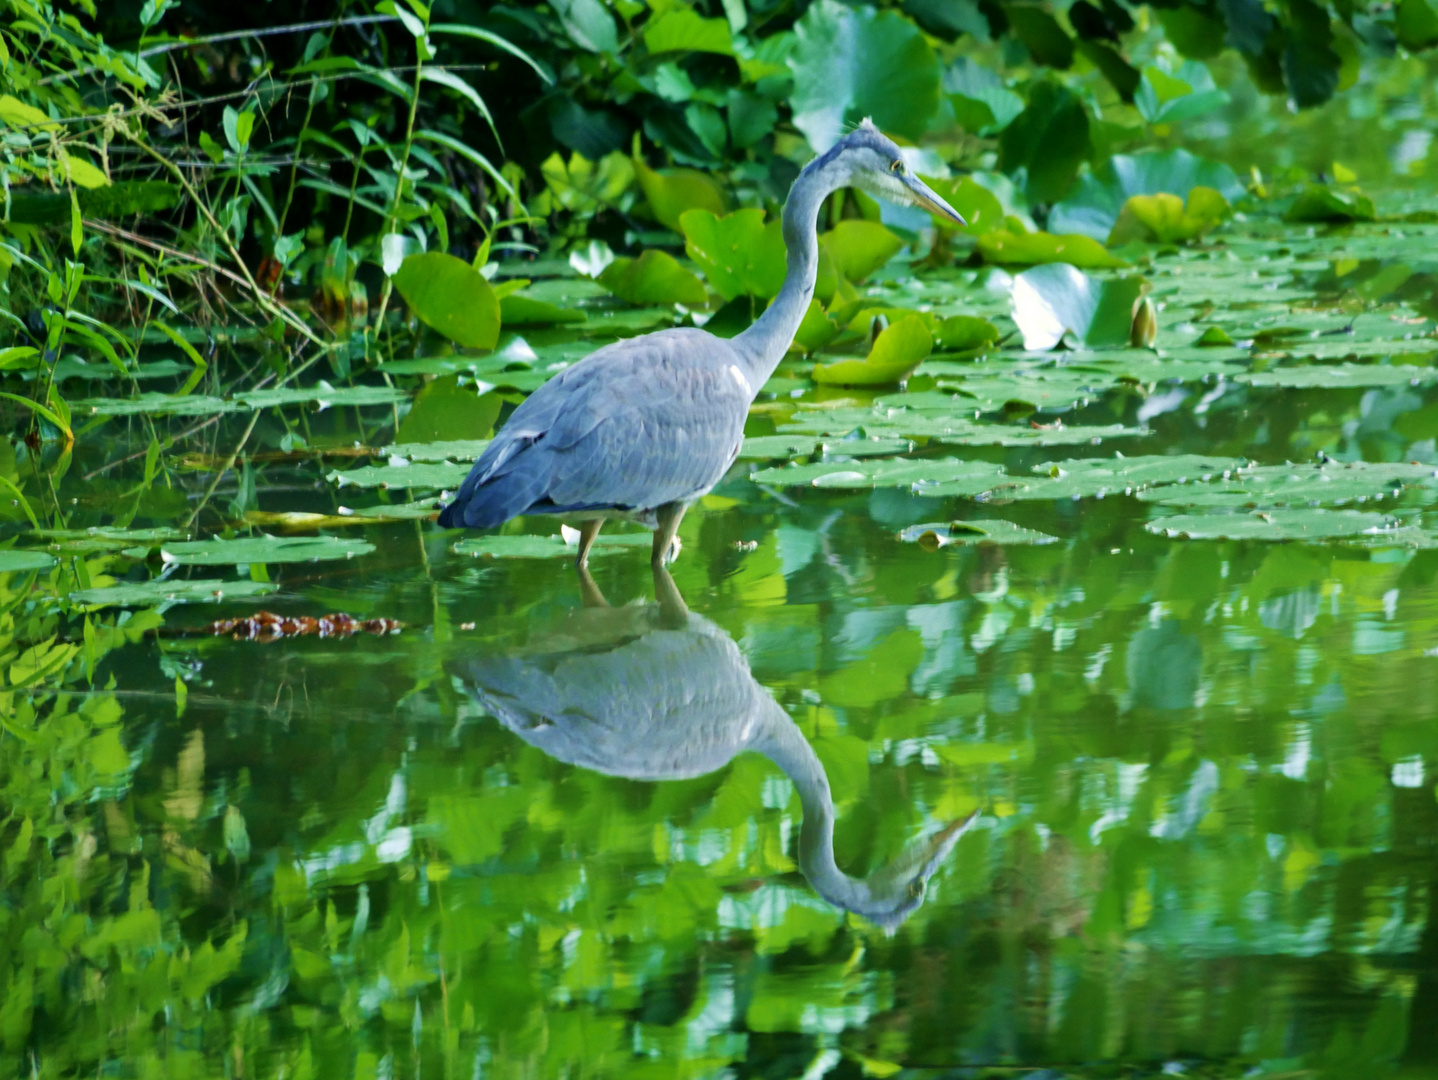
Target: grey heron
[[655, 692], [641, 428]]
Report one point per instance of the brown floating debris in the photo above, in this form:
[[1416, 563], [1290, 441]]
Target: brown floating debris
[[267, 626]]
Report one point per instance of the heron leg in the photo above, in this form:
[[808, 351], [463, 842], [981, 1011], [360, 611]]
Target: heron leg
[[589, 593], [588, 530], [673, 612], [666, 535]]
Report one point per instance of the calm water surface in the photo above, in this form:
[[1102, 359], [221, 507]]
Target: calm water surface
[[827, 803]]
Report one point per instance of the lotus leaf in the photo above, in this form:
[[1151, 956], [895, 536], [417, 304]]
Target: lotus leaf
[[1340, 376], [1313, 525], [1030, 249], [1163, 218], [859, 248], [969, 533], [427, 476], [1096, 202], [883, 472], [170, 591], [262, 549], [738, 253], [1053, 301], [1319, 203], [451, 297], [899, 349], [654, 278], [670, 192]]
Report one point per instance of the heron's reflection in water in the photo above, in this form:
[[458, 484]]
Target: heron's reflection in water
[[655, 692]]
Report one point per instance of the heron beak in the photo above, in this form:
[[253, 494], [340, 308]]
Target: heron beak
[[926, 198]]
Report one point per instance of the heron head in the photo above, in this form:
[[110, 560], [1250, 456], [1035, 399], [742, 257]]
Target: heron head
[[875, 163]]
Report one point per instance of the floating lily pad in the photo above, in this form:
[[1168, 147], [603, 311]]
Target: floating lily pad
[[521, 309], [964, 333], [549, 547], [155, 405], [323, 395], [1340, 376], [152, 593], [969, 533], [1164, 218], [1316, 525], [452, 450], [12, 560], [884, 472], [437, 475], [769, 447], [1331, 483], [1100, 477], [104, 538], [1058, 435], [263, 549], [1057, 301]]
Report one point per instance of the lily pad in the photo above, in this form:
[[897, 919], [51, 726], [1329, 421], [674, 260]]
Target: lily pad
[[769, 447], [1340, 376], [654, 278], [1097, 200], [451, 297], [153, 593], [262, 549], [1165, 219], [436, 475], [1331, 483], [970, 533], [899, 348], [859, 248], [520, 309], [1319, 203], [1313, 525], [1100, 477], [104, 538], [1032, 249], [12, 560], [154, 404], [964, 333], [1057, 435], [738, 253], [1054, 301], [453, 450], [548, 547], [883, 472]]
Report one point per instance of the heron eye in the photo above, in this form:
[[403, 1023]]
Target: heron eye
[[897, 166]]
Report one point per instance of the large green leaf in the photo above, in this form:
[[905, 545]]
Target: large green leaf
[[684, 30], [899, 348], [1034, 249], [654, 278], [1319, 203], [1096, 202], [858, 247], [1048, 141], [444, 409], [1311, 525], [854, 62], [451, 297], [969, 533], [670, 192], [738, 253], [1054, 301], [1165, 219]]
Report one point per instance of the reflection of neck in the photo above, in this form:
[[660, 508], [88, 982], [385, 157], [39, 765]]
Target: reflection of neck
[[783, 743], [764, 344]]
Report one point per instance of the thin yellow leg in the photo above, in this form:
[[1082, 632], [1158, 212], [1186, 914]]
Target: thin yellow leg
[[589, 593], [588, 530], [670, 515]]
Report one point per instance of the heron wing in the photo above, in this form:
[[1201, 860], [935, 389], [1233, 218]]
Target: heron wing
[[635, 425]]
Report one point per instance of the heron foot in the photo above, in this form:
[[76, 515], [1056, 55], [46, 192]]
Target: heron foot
[[666, 535]]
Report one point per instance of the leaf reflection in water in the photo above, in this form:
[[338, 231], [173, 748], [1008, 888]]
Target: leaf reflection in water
[[656, 692]]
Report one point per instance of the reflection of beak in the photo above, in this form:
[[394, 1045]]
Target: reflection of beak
[[929, 201]]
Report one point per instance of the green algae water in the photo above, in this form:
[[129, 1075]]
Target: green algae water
[[1061, 713]]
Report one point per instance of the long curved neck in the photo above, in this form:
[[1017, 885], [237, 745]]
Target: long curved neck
[[764, 344], [784, 744]]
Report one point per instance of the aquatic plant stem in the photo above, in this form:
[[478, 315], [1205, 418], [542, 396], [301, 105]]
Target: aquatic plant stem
[[229, 464], [388, 287], [262, 298]]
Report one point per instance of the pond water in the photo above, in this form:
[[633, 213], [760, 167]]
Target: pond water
[[1089, 788]]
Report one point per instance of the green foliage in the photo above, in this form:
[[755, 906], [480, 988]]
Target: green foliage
[[738, 253], [899, 348], [1055, 301], [1099, 199], [654, 278], [447, 294]]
